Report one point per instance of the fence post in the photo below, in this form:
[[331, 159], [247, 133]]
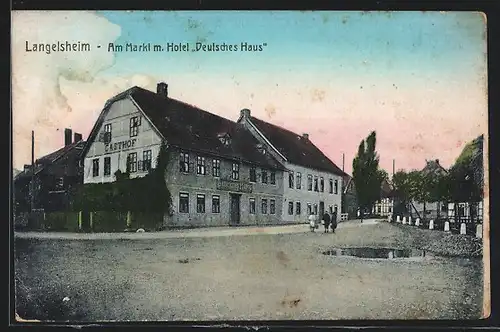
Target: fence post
[[80, 220], [129, 219], [417, 223], [446, 226], [398, 219], [463, 229], [409, 221], [91, 220], [431, 224], [479, 231], [404, 220]]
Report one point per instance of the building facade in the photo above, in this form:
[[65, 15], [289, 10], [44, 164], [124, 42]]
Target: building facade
[[312, 182], [217, 172]]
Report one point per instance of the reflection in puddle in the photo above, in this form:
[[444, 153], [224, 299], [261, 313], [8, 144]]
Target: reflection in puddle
[[367, 252]]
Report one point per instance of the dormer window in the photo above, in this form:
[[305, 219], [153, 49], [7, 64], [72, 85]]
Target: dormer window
[[261, 148], [224, 138]]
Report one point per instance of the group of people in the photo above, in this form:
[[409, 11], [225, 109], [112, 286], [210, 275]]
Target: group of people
[[327, 221]]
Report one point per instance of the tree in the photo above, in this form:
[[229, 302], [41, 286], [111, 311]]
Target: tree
[[366, 174]]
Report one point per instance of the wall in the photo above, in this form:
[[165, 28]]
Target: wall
[[194, 184], [119, 116], [304, 196]]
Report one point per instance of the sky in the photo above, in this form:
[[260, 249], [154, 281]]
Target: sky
[[419, 79]]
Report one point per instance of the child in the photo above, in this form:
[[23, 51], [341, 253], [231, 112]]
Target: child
[[312, 222]]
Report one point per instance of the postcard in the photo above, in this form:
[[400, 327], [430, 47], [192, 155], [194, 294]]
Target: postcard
[[249, 166]]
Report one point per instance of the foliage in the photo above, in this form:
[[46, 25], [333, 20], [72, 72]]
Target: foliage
[[142, 194], [367, 176], [61, 221]]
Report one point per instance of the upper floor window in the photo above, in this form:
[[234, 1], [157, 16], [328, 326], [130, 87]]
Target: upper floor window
[[107, 133], [235, 174], [321, 184], [184, 162], [95, 167], [316, 184], [60, 183], [290, 179], [264, 176], [216, 167], [253, 174], [309, 182], [107, 166], [200, 165], [336, 187], [299, 180], [331, 186], [134, 126], [273, 177], [147, 157]]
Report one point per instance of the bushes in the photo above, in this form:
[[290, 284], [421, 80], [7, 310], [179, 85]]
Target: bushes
[[61, 221]]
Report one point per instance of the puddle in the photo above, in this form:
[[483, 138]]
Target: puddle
[[377, 253]]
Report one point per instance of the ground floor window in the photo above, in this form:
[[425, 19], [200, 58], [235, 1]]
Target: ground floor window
[[315, 209], [200, 203], [272, 206], [251, 206], [309, 209], [184, 202], [215, 204], [297, 208], [330, 209], [107, 166], [290, 208], [264, 206]]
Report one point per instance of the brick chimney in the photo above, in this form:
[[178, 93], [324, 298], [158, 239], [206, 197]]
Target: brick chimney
[[305, 135], [162, 89], [245, 113], [77, 137], [437, 161], [67, 136]]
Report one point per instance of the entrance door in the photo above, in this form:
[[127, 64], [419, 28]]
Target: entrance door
[[234, 209], [321, 209]]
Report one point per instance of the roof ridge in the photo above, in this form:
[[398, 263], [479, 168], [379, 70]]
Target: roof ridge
[[275, 125]]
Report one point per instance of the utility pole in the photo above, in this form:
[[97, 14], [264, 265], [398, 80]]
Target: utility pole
[[393, 167], [343, 161], [32, 196]]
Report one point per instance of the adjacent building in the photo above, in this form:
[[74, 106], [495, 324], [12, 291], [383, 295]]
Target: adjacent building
[[312, 182], [54, 176], [218, 173], [385, 205]]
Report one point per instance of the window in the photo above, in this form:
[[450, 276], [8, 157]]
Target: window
[[200, 203], [272, 206], [132, 162], [251, 206], [309, 209], [215, 204], [315, 209], [200, 165], [273, 177], [253, 174], [60, 183], [184, 162], [290, 208], [107, 166], [147, 156], [309, 182], [336, 187], [322, 184], [330, 208], [299, 180], [316, 183], [184, 202], [134, 126], [264, 206], [264, 176], [331, 186], [297, 209], [107, 131], [95, 167], [378, 209], [390, 209], [290, 179], [216, 167], [235, 175]]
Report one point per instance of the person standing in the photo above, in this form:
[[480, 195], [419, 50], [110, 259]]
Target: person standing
[[312, 222], [334, 221], [326, 221]]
